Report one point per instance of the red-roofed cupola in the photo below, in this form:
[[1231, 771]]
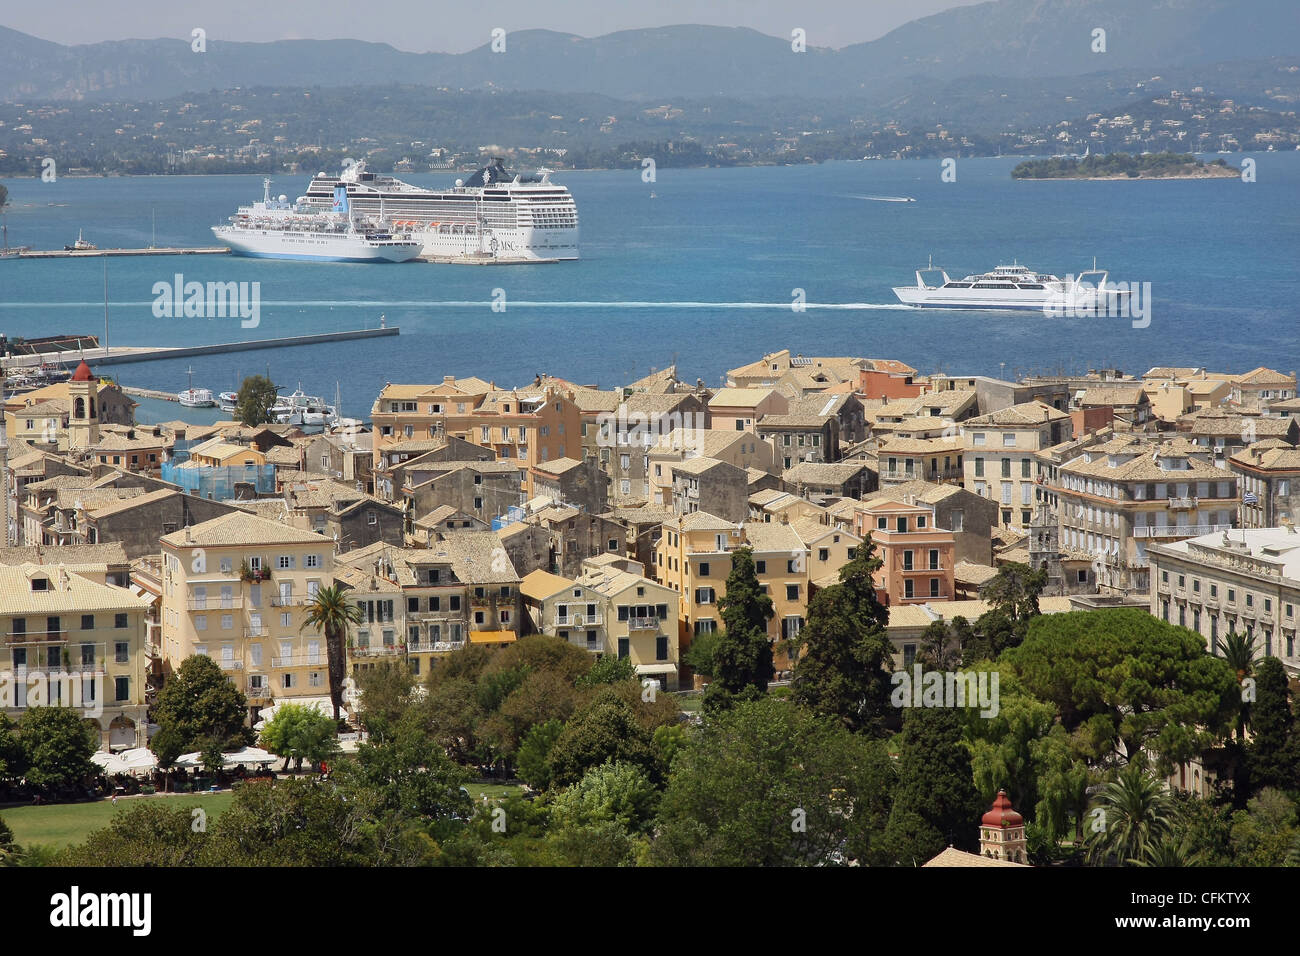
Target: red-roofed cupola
[[82, 374]]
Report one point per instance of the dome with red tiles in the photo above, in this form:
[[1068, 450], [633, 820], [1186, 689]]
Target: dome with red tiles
[[1002, 816], [82, 374]]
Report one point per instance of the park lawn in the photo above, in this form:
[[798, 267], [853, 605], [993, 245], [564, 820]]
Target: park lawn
[[59, 825], [494, 791]]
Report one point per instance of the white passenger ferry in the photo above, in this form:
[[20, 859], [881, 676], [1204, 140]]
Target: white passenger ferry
[[1014, 287]]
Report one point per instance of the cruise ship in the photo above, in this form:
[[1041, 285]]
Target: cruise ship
[[279, 229], [1015, 287], [494, 214]]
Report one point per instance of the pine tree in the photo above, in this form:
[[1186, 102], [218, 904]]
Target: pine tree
[[935, 801], [1273, 754], [842, 655], [742, 657]]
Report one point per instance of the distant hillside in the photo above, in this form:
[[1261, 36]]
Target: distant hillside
[[1008, 38]]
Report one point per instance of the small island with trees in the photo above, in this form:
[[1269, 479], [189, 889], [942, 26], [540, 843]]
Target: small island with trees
[[1164, 165]]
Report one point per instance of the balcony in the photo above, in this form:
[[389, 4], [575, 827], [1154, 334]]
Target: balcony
[[897, 474], [215, 603], [94, 667], [579, 620], [36, 637], [260, 691], [298, 660], [261, 631], [230, 665], [643, 623], [1180, 504], [1180, 531], [289, 600], [434, 647], [372, 650]]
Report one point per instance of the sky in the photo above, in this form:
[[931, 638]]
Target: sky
[[421, 26]]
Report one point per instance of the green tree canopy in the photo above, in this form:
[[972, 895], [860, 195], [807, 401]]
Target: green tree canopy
[[254, 400], [767, 783], [1274, 749], [842, 654], [297, 732], [614, 792], [1013, 594], [198, 700], [1137, 682], [57, 746], [935, 802], [742, 654], [606, 730], [385, 696], [146, 833]]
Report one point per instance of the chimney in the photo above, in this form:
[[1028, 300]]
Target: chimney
[[448, 379]]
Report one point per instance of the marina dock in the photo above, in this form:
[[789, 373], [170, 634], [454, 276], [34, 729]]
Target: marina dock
[[103, 253], [123, 355]]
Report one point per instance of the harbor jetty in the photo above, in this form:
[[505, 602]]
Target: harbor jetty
[[123, 355], [103, 253]]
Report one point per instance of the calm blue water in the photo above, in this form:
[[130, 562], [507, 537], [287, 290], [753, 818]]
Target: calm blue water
[[1220, 255]]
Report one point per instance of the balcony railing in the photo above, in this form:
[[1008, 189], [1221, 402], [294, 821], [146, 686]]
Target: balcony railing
[[288, 600], [215, 603], [375, 650], [1181, 503], [258, 691], [434, 647], [579, 620], [230, 665], [1180, 531], [298, 660], [643, 623], [260, 631], [36, 637]]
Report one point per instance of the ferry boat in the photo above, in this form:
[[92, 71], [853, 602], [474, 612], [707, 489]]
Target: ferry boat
[[1014, 287], [228, 401], [195, 397], [279, 229], [494, 214]]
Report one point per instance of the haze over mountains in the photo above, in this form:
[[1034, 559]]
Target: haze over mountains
[[1015, 39]]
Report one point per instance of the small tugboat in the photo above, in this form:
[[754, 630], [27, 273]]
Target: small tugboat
[[81, 245]]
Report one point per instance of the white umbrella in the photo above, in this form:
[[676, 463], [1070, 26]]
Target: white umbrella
[[250, 755], [111, 764], [139, 760], [189, 761]]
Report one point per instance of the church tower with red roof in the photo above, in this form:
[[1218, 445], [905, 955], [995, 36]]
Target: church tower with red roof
[[1002, 832], [83, 415]]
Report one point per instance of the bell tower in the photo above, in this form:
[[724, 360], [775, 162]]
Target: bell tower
[[1002, 832], [83, 415]]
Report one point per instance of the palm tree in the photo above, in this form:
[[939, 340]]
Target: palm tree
[[330, 613], [1137, 816], [1171, 852], [1239, 652]]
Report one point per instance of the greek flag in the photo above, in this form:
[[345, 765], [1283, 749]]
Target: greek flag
[[1250, 498]]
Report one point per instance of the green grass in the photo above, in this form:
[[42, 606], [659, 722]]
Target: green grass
[[63, 824], [494, 791], [690, 704]]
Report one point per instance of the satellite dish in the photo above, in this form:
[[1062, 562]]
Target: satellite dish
[[460, 182]]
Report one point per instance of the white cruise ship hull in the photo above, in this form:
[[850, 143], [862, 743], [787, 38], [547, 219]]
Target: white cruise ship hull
[[315, 246]]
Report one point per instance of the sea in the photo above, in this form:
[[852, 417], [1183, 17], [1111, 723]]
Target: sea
[[705, 268]]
